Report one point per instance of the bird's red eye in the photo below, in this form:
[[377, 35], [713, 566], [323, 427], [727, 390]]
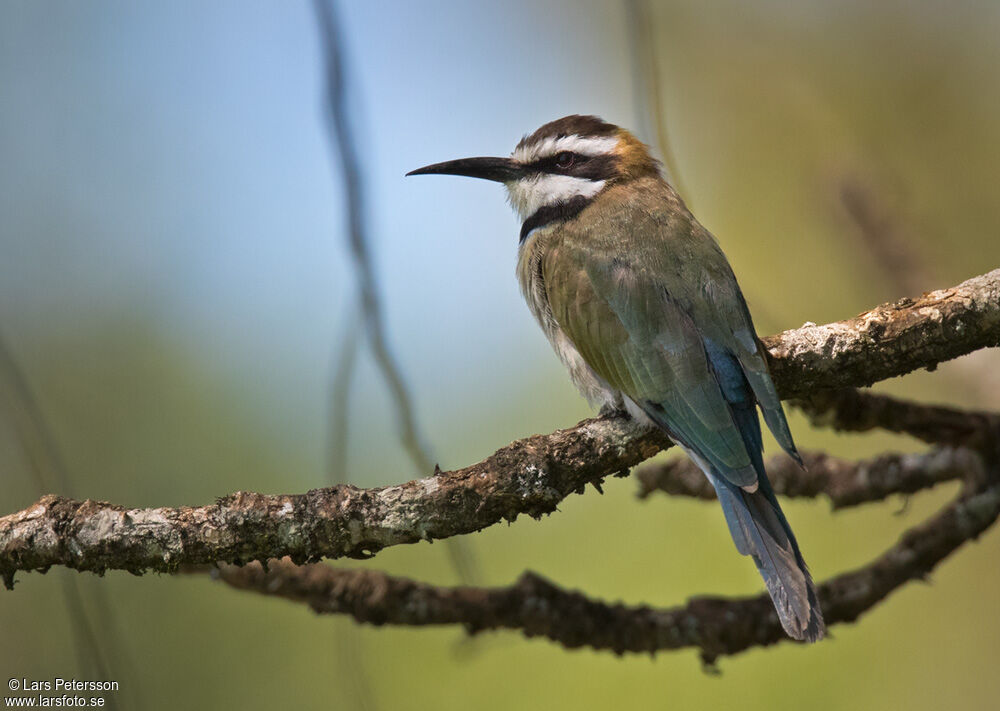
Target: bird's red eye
[[565, 160]]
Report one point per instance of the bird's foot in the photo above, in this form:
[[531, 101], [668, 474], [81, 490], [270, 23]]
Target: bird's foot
[[610, 410]]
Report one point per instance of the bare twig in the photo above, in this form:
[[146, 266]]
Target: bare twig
[[344, 145], [44, 462], [651, 109], [907, 271], [850, 410], [843, 482], [342, 375], [349, 649], [345, 153], [648, 90], [894, 253], [50, 472]]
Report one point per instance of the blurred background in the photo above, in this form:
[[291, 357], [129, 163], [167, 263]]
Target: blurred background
[[175, 289]]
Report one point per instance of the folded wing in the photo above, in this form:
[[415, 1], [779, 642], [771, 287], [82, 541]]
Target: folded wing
[[681, 346]]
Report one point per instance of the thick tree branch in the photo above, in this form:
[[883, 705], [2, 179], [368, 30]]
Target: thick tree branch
[[716, 626], [529, 476], [843, 482], [890, 340]]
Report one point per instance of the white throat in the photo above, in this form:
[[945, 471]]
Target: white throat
[[530, 194]]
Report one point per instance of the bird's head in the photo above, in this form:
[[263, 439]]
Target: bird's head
[[568, 161]]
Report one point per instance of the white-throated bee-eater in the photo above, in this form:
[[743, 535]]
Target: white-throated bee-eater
[[642, 307]]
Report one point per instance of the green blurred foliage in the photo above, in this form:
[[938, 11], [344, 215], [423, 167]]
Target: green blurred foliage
[[771, 108]]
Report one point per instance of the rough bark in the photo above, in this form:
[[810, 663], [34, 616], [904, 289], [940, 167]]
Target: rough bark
[[538, 608], [890, 340], [529, 476]]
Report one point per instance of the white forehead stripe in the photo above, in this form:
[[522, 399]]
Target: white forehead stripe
[[585, 146], [530, 194]]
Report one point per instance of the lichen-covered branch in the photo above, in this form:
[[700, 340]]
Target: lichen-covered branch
[[890, 340], [538, 608], [845, 483], [529, 476]]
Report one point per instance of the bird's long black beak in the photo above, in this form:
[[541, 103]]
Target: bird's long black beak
[[501, 170]]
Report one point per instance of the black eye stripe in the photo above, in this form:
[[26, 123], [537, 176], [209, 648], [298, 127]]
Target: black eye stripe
[[549, 164], [601, 167]]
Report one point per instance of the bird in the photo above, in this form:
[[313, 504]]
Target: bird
[[641, 305]]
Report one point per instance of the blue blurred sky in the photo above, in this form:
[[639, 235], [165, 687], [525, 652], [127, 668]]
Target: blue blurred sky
[[173, 158], [167, 162]]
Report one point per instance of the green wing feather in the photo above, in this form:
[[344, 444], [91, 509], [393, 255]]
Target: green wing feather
[[641, 342], [639, 312]]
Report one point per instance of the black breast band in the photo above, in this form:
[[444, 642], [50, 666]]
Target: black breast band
[[558, 212]]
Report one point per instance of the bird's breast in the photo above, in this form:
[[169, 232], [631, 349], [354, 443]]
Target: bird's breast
[[531, 277]]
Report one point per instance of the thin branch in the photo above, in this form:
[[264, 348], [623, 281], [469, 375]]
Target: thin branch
[[44, 461], [896, 254], [529, 476], [648, 87], [349, 650], [907, 271], [345, 152], [49, 471], [844, 483], [850, 410], [341, 377], [344, 143], [716, 626], [651, 108]]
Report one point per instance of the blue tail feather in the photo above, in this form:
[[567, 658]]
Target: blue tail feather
[[757, 524]]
